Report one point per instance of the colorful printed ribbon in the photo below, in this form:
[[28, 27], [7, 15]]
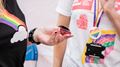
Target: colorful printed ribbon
[[97, 15]]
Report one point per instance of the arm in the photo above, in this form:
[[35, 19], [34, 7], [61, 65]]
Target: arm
[[113, 16], [53, 36], [50, 36], [59, 49]]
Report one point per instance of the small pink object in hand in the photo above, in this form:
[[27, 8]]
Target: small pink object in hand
[[64, 30]]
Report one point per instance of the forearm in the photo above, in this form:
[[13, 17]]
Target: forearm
[[63, 20], [59, 51], [114, 17], [51, 36]]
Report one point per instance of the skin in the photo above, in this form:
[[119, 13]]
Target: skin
[[1, 6], [109, 10], [47, 36], [111, 13], [60, 48], [50, 36]]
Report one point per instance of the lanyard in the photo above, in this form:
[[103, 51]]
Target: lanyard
[[97, 15]]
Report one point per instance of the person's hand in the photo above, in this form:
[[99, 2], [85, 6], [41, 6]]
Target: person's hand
[[107, 5], [50, 36]]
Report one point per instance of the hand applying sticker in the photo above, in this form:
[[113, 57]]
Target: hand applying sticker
[[51, 36]]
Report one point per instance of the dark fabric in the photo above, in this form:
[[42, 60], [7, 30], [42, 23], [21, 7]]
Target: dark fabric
[[12, 7], [11, 54]]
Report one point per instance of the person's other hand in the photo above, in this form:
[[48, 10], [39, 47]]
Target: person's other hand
[[50, 36], [107, 5]]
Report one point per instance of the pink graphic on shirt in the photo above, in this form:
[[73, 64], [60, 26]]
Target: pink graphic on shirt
[[97, 51], [118, 42], [108, 50], [101, 61], [91, 59], [82, 4], [82, 22], [105, 40], [117, 4]]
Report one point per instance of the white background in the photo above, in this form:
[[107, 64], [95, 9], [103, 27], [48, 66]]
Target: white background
[[40, 13]]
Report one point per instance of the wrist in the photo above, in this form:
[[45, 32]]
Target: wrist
[[32, 37]]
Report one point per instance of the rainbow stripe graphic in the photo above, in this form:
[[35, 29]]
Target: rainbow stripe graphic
[[107, 39], [11, 20]]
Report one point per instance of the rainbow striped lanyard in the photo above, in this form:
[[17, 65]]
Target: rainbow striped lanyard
[[97, 14]]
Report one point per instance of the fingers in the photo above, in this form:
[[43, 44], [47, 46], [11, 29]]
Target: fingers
[[52, 39], [107, 5], [51, 36], [102, 2], [112, 0], [57, 37]]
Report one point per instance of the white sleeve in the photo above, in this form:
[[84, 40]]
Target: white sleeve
[[64, 7]]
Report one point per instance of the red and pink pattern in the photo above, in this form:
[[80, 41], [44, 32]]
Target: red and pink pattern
[[117, 4], [82, 22], [82, 4]]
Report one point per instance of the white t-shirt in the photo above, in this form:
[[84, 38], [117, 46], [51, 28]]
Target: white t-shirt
[[84, 51]]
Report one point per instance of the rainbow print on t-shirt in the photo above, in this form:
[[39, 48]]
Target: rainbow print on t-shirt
[[97, 50], [11, 20], [19, 30]]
